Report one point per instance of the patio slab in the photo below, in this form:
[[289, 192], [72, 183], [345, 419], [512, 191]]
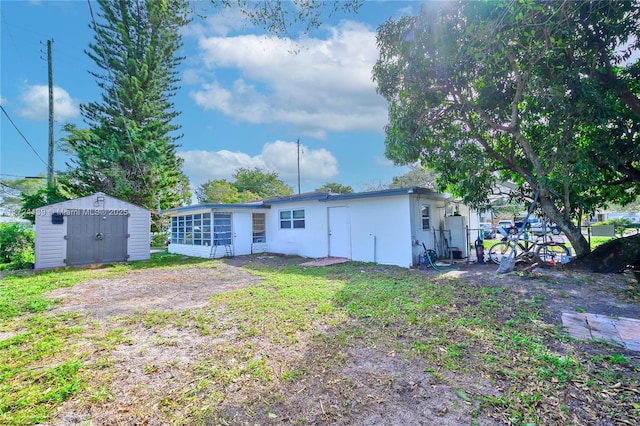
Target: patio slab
[[620, 330]]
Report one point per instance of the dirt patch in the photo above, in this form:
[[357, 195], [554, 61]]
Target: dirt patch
[[561, 290], [344, 386], [151, 290]]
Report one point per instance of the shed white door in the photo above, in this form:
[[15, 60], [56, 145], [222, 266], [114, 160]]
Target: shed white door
[[96, 238], [339, 232]]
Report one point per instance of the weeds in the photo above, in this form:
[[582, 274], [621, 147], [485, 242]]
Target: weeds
[[309, 319]]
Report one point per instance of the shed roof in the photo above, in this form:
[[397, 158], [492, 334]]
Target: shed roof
[[94, 195]]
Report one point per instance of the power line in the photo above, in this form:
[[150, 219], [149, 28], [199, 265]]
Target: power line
[[23, 136], [10, 187]]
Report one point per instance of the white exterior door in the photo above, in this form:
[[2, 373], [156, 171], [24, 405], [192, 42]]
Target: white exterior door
[[339, 232], [242, 234]]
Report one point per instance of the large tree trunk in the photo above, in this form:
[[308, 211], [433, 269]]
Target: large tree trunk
[[576, 238], [614, 256], [567, 227]]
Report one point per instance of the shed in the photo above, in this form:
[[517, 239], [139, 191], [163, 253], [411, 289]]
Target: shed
[[89, 230]]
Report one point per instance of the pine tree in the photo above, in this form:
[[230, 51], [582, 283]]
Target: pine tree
[[129, 148]]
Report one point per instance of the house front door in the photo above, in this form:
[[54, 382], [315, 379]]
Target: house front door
[[339, 232]]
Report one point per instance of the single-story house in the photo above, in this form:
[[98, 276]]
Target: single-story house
[[387, 226], [91, 230]]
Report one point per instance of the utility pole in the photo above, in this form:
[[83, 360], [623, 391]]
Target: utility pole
[[50, 182], [298, 165]]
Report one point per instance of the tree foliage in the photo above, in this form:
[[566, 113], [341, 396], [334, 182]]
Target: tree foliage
[[280, 17], [417, 176], [128, 150], [222, 191], [263, 184], [336, 188], [42, 197], [16, 246], [536, 93], [11, 191], [248, 185]]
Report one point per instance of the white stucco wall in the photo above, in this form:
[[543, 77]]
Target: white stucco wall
[[311, 241], [381, 230], [421, 236]]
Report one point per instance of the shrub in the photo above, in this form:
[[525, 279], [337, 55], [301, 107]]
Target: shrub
[[16, 246]]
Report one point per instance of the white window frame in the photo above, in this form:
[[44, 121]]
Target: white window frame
[[259, 233], [291, 220], [424, 217], [191, 229]]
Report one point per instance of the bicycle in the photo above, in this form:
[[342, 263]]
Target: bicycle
[[550, 252]]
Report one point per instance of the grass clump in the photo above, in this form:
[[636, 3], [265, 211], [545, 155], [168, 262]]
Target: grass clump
[[295, 325]]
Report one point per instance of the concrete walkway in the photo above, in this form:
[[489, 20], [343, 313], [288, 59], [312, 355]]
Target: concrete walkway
[[325, 261], [622, 331]]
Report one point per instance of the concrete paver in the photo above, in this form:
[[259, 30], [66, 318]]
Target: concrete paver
[[621, 331]]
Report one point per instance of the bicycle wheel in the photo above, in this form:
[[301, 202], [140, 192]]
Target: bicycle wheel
[[552, 252], [503, 249]]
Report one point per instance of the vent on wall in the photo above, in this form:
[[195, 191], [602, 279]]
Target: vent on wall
[[57, 218]]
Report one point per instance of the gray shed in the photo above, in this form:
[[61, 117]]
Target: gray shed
[[88, 230]]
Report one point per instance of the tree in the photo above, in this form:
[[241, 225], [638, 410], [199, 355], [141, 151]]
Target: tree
[[263, 184], [484, 92], [248, 185], [280, 17], [50, 194], [417, 176], [11, 191], [129, 148], [16, 245], [222, 191], [336, 188]]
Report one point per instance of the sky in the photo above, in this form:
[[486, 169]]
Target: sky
[[245, 97]]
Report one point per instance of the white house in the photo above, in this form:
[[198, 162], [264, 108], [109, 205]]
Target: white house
[[88, 230], [387, 226]]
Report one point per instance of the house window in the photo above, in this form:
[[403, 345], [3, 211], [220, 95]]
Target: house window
[[259, 229], [191, 229], [291, 219], [425, 214]]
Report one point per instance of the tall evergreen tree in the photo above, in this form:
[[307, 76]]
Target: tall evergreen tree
[[128, 150]]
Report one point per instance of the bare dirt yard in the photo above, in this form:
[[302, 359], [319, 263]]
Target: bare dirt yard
[[150, 367]]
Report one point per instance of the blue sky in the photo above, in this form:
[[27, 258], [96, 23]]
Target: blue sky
[[245, 97]]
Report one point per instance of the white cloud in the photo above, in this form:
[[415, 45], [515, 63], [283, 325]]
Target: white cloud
[[316, 165], [226, 21], [34, 103], [325, 86], [383, 161]]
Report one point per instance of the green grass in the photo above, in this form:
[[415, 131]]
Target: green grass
[[444, 324], [597, 241]]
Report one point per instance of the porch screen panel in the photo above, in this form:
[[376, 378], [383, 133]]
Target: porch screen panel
[[221, 229]]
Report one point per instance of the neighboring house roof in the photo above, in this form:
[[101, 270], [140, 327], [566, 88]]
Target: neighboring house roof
[[310, 196]]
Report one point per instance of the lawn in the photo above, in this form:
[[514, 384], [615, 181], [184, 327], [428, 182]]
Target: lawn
[[339, 345]]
